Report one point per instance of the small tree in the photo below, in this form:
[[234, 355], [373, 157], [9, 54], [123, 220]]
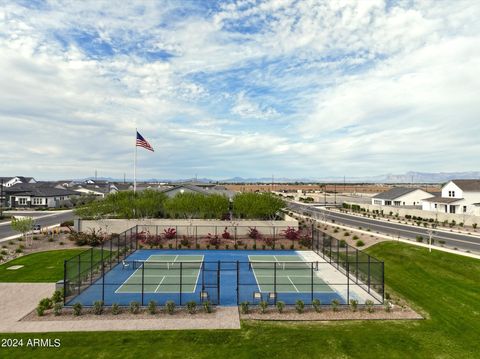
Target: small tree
[[23, 225]]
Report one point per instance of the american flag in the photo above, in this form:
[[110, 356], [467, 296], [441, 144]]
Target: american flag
[[141, 142]]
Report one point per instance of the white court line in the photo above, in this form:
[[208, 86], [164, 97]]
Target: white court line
[[293, 284], [159, 284]]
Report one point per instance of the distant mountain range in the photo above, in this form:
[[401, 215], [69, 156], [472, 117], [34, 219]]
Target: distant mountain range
[[409, 177]]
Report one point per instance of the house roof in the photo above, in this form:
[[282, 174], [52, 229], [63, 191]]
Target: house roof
[[469, 185], [439, 199], [194, 188], [395, 192], [38, 190]]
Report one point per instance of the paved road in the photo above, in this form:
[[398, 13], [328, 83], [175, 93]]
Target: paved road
[[452, 240], [50, 219]]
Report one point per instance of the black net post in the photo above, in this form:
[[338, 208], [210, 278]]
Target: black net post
[[181, 283], [235, 233], [125, 245], [143, 282]]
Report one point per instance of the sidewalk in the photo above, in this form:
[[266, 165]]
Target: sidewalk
[[19, 299]]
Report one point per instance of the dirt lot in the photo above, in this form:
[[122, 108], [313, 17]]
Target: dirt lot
[[339, 187]]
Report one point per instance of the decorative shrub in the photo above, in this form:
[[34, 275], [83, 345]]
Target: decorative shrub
[[254, 233], [46, 303], [98, 307], [152, 307], [213, 240], [388, 307], [360, 243], [226, 234], [353, 305], [185, 241], [192, 307], [317, 305], [419, 239], [170, 306], [474, 225], [369, 305], [335, 303], [299, 306], [207, 307], [280, 306], [152, 240], [169, 233], [305, 241], [77, 309], [291, 233], [57, 309], [244, 307], [269, 241], [355, 237], [134, 307], [40, 311], [263, 306], [115, 309]]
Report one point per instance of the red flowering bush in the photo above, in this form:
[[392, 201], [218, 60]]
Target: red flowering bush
[[169, 233], [254, 233], [213, 240], [226, 234], [291, 233]]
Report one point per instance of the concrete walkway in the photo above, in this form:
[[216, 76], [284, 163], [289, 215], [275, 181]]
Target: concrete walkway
[[19, 299]]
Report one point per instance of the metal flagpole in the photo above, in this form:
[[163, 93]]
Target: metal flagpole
[[135, 165]]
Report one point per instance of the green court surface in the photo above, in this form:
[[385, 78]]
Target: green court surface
[[286, 274], [162, 274]]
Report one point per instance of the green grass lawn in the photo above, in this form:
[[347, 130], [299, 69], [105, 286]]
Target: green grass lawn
[[444, 286], [38, 267]]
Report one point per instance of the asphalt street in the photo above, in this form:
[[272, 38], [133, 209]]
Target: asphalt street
[[452, 240], [44, 219]]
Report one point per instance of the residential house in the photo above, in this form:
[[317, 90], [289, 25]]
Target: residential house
[[11, 181], [401, 196], [185, 188], [458, 196], [36, 195]]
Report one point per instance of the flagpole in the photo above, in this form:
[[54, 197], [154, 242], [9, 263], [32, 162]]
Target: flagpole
[[135, 165]]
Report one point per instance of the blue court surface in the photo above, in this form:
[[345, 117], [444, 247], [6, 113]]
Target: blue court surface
[[224, 277]]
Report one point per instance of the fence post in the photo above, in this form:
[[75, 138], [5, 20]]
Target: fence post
[[143, 281], [238, 284], [136, 236], [275, 282], [91, 265], [118, 249], [356, 266], [218, 282], [176, 237], [79, 274], [235, 233], [347, 259], [110, 254], [311, 282], [196, 237], [368, 274], [348, 284], [181, 271], [383, 282], [64, 282], [103, 276]]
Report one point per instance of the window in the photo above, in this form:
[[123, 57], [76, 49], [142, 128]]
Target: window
[[22, 201], [397, 203], [449, 193], [464, 209], [388, 203], [453, 193], [436, 206], [38, 201], [452, 209]]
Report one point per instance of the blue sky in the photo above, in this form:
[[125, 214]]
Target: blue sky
[[295, 88]]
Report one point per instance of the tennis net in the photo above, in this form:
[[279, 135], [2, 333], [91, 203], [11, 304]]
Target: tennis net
[[137, 264], [282, 265]]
